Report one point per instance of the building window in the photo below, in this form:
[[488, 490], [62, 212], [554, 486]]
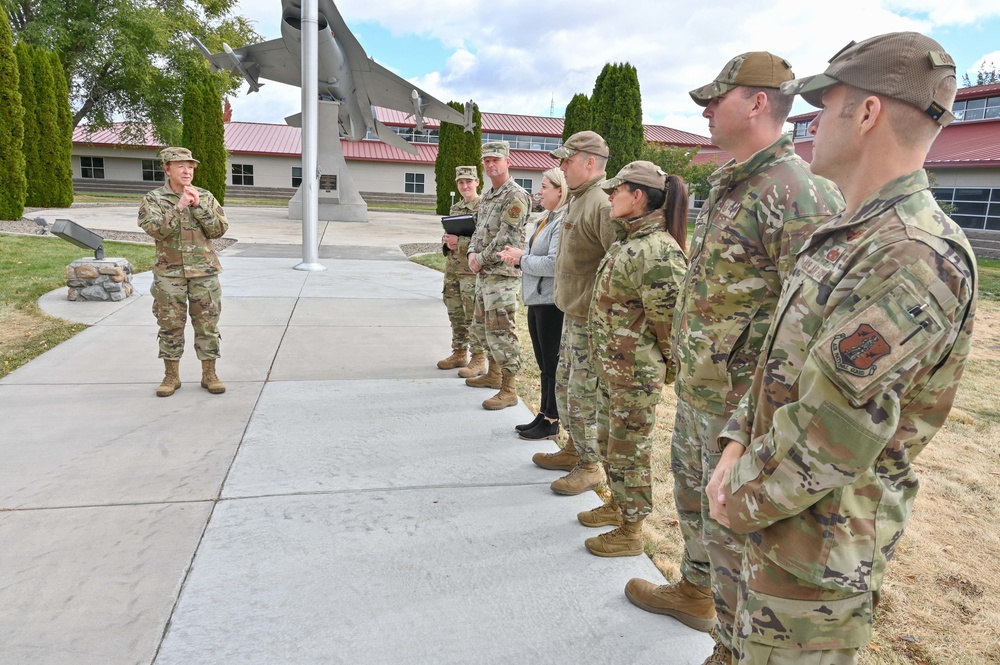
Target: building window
[[525, 183], [985, 108], [524, 142], [92, 167], [243, 174], [802, 129], [971, 207], [413, 183], [296, 176], [151, 171]]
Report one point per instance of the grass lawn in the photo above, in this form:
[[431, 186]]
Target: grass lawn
[[946, 572], [31, 267]]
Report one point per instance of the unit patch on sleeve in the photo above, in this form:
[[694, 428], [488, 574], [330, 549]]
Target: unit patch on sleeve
[[859, 352]]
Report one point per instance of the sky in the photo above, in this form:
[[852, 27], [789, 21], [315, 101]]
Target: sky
[[524, 57]]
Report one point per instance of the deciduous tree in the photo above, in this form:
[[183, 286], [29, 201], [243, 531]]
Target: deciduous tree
[[129, 58]]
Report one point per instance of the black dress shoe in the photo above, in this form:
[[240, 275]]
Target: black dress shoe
[[527, 426], [543, 430]]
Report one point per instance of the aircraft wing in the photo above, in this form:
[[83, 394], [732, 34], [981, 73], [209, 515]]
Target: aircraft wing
[[391, 91], [270, 60]]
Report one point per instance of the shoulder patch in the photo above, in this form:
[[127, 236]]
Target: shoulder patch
[[858, 352], [729, 209]]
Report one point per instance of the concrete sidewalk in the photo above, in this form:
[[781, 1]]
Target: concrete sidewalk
[[344, 501]]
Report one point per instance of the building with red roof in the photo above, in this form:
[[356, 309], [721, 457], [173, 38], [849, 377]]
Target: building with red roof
[[964, 162], [269, 156]]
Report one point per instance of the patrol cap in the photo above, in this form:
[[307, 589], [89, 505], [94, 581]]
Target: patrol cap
[[168, 155], [906, 66], [638, 173], [496, 149], [465, 173], [586, 141], [757, 69]]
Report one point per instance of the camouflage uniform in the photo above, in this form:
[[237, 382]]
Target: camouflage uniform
[[502, 216], [186, 270], [584, 238], [860, 370], [758, 214], [459, 292], [631, 316]]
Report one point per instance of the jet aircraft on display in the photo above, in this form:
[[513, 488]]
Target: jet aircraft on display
[[346, 75]]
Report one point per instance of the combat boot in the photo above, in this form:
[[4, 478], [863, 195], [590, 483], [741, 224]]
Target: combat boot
[[458, 358], [692, 605], [476, 366], [626, 540], [507, 395], [562, 460], [584, 476], [721, 655], [491, 379], [209, 381], [171, 380], [610, 514]]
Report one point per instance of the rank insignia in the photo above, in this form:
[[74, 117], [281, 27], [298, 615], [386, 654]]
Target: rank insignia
[[833, 254], [857, 353]]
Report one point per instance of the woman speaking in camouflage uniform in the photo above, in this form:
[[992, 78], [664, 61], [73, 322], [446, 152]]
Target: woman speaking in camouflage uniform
[[631, 316]]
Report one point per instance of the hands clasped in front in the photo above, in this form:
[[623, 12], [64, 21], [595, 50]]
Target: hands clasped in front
[[511, 255]]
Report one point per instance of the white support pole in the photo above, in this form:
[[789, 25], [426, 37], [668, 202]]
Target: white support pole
[[310, 136]]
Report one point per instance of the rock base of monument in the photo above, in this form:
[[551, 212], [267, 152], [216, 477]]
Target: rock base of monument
[[100, 280]]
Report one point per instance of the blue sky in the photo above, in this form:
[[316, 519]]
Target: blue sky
[[515, 56]]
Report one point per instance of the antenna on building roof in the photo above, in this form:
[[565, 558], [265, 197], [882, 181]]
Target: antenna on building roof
[[552, 106]]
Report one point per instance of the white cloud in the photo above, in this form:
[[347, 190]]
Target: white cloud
[[514, 56]]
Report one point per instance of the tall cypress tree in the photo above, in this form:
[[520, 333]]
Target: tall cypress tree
[[616, 108], [192, 117], [211, 173], [12, 181], [578, 117], [47, 113], [62, 162], [456, 147], [34, 173]]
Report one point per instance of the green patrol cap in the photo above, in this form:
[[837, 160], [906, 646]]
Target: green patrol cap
[[168, 155], [757, 69], [465, 173], [496, 149], [906, 66], [638, 173], [586, 141]]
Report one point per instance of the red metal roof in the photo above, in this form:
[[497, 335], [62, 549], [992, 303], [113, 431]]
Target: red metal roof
[[978, 91], [661, 134]]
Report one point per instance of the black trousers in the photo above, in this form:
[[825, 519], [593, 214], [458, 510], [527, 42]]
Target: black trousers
[[545, 327]]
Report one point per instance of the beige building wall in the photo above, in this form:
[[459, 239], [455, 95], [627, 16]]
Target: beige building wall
[[965, 177]]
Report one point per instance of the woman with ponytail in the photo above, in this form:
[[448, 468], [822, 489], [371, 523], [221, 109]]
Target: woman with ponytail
[[631, 315]]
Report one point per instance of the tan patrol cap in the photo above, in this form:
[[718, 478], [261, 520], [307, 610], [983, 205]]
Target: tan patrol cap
[[757, 69], [638, 173], [496, 149], [168, 155], [465, 173], [906, 66], [586, 141]]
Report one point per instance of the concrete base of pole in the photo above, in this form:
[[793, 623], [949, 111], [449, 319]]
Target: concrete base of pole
[[315, 267]]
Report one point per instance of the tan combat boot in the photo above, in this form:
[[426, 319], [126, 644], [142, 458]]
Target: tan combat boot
[[721, 655], [458, 358], [171, 380], [209, 381], [691, 605], [584, 476], [492, 379], [507, 395], [626, 540], [563, 460], [610, 514], [476, 366]]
